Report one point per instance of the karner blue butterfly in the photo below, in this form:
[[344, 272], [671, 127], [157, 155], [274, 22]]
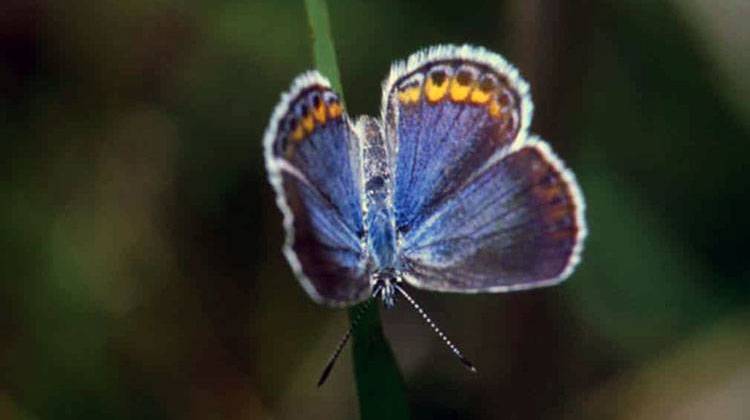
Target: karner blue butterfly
[[446, 191]]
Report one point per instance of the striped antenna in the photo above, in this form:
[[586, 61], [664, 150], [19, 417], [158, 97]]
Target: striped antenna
[[345, 339], [437, 330]]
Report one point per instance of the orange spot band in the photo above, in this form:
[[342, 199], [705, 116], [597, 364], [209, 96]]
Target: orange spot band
[[459, 92], [410, 95], [320, 113], [435, 92], [334, 110]]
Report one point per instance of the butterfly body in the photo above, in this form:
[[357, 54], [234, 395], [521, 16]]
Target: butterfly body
[[379, 216], [445, 191]]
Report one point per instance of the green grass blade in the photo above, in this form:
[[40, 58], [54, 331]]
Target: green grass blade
[[380, 386], [324, 53]]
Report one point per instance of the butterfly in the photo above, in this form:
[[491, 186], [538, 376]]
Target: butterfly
[[445, 191]]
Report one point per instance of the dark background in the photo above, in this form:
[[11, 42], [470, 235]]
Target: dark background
[[140, 243]]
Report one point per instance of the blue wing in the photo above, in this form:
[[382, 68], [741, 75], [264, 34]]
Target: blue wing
[[516, 224], [446, 113], [312, 157], [469, 187]]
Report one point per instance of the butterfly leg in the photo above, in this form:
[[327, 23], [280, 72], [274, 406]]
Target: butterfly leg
[[385, 288]]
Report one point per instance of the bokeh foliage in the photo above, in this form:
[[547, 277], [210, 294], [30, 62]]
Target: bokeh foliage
[[141, 271]]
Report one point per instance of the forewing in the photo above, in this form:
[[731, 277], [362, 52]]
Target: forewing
[[446, 111], [313, 161], [516, 224]]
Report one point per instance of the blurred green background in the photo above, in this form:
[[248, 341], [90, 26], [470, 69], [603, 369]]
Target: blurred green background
[[140, 242]]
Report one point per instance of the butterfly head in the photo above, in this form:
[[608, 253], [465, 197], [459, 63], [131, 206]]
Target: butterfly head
[[384, 286]]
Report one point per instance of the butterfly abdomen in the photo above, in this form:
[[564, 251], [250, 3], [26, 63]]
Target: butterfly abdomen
[[379, 216], [381, 238]]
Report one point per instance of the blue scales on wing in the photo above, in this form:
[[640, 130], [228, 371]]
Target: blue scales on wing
[[478, 206], [312, 156]]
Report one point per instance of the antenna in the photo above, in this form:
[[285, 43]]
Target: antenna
[[344, 340], [437, 330]]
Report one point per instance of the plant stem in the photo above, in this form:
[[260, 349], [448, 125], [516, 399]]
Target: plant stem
[[380, 386]]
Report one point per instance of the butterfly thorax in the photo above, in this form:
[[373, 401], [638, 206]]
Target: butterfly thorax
[[379, 217]]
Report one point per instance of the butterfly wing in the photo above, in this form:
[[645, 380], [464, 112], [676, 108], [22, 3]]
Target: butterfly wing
[[479, 207], [516, 224], [313, 160]]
